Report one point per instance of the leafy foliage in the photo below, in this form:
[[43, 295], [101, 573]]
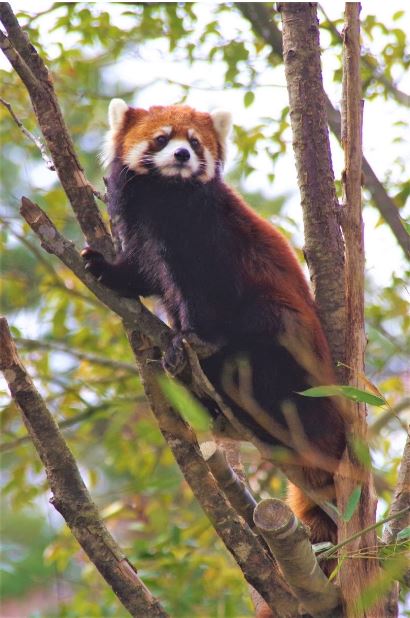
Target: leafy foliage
[[97, 51]]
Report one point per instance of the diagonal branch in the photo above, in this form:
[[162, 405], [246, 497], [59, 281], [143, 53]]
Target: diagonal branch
[[289, 543], [57, 346], [70, 495], [401, 97], [260, 15], [34, 74]]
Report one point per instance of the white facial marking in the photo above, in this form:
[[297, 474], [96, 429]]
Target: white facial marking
[[166, 162], [163, 131], [210, 165], [134, 158]]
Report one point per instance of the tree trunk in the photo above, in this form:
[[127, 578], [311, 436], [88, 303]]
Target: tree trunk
[[355, 575], [324, 250]]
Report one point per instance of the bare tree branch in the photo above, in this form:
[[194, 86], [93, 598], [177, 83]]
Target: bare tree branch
[[234, 488], [324, 247], [401, 498], [56, 346], [66, 424], [35, 76], [36, 141], [260, 16], [377, 74], [70, 495], [384, 418], [131, 311], [291, 547]]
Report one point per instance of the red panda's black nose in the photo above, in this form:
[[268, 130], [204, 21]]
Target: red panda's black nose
[[182, 155]]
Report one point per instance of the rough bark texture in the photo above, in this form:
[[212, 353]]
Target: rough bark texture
[[70, 495], [324, 248], [38, 81], [289, 543], [401, 501], [355, 575], [233, 486], [401, 498], [260, 16]]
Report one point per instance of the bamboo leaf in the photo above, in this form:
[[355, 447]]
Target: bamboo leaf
[[187, 406], [352, 503], [350, 392]]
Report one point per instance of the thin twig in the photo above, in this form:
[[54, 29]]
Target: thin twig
[[57, 346], [30, 136], [69, 422], [330, 552], [401, 97]]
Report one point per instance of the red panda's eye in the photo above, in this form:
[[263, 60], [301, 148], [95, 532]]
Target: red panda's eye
[[161, 140], [194, 142]]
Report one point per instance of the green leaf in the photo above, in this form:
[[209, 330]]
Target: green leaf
[[350, 392], [397, 15], [361, 450], [404, 534], [249, 98], [188, 407], [352, 503]]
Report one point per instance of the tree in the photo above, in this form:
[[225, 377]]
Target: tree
[[66, 297]]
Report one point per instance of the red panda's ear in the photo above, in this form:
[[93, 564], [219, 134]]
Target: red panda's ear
[[116, 113], [222, 121]]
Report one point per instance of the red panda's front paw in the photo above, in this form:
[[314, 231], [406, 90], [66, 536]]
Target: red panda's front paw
[[95, 262]]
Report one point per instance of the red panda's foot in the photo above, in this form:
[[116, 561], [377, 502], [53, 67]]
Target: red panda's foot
[[95, 263], [175, 359]]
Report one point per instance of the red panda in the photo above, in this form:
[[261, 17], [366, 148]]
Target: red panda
[[224, 275]]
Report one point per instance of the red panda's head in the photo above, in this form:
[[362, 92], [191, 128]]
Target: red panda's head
[[175, 141]]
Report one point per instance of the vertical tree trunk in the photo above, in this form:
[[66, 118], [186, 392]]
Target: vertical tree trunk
[[355, 575], [339, 292], [324, 249]]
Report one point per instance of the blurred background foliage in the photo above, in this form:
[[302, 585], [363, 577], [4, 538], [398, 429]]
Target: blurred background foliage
[[76, 351]]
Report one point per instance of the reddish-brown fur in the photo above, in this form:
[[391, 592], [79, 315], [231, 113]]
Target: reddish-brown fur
[[229, 276]]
